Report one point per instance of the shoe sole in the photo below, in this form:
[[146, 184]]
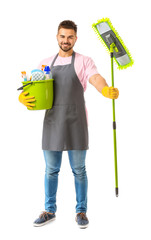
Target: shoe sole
[[42, 224], [83, 226]]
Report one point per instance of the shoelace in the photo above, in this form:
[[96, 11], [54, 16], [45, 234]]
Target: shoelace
[[83, 216], [45, 215]]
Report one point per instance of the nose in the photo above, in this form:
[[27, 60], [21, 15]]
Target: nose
[[66, 40]]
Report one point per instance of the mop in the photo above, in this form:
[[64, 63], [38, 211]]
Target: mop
[[121, 55]]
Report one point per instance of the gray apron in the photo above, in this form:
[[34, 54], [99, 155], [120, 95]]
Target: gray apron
[[65, 125]]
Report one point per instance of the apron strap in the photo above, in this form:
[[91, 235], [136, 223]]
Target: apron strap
[[73, 57]]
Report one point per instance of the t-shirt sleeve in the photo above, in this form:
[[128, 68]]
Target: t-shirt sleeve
[[90, 68]]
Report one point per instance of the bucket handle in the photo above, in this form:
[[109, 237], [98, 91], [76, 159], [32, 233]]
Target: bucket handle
[[21, 88]]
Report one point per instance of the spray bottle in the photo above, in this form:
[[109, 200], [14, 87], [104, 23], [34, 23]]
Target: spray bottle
[[23, 74], [47, 72]]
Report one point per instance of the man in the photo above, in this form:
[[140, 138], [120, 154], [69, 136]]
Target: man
[[65, 126]]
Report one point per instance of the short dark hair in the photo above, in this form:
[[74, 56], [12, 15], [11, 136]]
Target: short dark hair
[[68, 25]]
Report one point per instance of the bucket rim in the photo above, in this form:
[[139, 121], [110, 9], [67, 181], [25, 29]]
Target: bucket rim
[[38, 81]]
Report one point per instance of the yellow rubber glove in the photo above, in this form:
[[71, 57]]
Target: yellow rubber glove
[[110, 92], [26, 100]]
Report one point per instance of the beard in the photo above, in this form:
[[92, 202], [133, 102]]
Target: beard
[[66, 48]]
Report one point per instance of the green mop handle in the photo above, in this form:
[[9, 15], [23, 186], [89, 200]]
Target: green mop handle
[[112, 48]]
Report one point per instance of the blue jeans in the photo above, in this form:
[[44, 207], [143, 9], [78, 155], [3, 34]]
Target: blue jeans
[[53, 164]]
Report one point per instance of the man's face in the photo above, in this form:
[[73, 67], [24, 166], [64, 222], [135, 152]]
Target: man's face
[[66, 39]]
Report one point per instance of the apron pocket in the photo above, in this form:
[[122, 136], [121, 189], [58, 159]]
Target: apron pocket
[[61, 113]]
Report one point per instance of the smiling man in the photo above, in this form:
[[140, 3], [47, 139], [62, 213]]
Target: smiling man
[[65, 126]]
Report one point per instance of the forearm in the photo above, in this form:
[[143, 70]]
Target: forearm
[[101, 85], [98, 82]]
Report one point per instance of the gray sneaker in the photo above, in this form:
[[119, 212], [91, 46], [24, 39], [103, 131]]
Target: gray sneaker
[[82, 220], [44, 218]]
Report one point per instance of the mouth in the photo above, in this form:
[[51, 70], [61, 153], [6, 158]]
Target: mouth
[[66, 44]]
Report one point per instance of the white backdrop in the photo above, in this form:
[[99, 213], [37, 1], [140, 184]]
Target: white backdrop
[[28, 35]]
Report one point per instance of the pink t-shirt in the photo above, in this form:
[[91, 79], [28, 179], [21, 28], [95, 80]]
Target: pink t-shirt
[[84, 67]]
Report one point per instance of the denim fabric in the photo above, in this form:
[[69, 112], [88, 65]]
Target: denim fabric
[[53, 163]]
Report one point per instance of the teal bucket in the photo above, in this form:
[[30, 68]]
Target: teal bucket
[[42, 90]]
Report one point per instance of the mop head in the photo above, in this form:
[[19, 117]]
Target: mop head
[[108, 35]]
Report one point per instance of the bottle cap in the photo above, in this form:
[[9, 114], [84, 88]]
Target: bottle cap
[[47, 69]]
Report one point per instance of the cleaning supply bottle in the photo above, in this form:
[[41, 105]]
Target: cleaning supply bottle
[[23, 74], [43, 67], [47, 72]]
